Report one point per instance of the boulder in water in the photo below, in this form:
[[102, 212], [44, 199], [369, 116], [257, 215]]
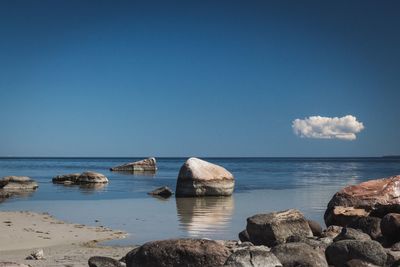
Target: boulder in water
[[146, 165]]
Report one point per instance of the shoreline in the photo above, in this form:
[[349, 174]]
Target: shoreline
[[63, 244]]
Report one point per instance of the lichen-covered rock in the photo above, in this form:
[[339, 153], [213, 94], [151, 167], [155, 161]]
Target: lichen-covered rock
[[17, 183], [299, 254], [253, 256], [146, 165], [81, 178], [274, 228], [201, 178], [339, 253], [179, 252], [374, 198]]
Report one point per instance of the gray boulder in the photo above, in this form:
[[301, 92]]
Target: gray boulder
[[17, 183], [299, 254], [80, 178], [274, 228], [179, 252], [253, 256], [99, 261], [201, 178], [351, 234], [369, 225], [146, 165], [164, 192], [390, 227], [339, 253]]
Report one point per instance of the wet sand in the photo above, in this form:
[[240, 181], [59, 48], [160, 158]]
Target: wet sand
[[64, 244]]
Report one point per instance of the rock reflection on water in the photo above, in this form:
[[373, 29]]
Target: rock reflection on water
[[202, 216], [86, 188], [137, 173]]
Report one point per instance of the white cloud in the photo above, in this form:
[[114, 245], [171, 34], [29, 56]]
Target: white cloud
[[344, 128]]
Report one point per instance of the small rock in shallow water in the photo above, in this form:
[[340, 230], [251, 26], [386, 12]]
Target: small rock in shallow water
[[163, 191], [146, 165]]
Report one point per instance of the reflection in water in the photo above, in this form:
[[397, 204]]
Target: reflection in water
[[201, 215], [6, 195], [137, 173], [86, 188]]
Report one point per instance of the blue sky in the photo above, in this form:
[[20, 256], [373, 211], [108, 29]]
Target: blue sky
[[196, 78]]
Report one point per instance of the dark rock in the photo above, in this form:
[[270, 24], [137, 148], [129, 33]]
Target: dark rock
[[299, 254], [339, 253], [201, 178], [244, 236], [395, 247], [274, 228], [373, 198], [253, 256], [359, 263], [163, 191], [369, 225], [98, 261], [390, 227], [146, 165], [315, 228], [351, 234], [179, 252], [85, 178], [332, 231]]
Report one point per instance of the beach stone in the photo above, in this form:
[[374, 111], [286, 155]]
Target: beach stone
[[179, 252], [244, 236], [145, 165], [163, 191], [36, 255], [274, 228], [315, 227], [17, 183], [351, 234], [340, 252], [374, 198], [99, 261], [299, 254], [369, 225], [253, 256], [12, 264], [359, 263], [332, 231], [201, 178], [390, 227], [80, 178]]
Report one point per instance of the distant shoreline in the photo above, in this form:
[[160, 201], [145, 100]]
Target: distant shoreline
[[184, 157]]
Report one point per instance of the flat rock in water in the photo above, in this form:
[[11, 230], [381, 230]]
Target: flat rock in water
[[146, 165], [80, 178], [274, 228], [299, 254], [339, 253], [201, 178], [253, 256], [99, 261], [177, 253], [163, 191], [373, 198], [17, 183]]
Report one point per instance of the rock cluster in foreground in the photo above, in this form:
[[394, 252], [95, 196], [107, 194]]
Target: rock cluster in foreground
[[146, 165], [80, 178], [201, 178]]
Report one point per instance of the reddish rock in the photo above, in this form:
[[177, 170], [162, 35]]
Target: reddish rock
[[372, 198]]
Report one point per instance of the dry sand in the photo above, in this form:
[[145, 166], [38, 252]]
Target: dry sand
[[64, 244]]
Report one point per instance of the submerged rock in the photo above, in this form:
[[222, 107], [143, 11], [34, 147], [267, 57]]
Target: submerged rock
[[163, 191], [146, 165], [80, 178], [373, 198], [201, 178], [178, 252], [369, 251], [17, 183], [299, 254], [274, 228], [253, 256]]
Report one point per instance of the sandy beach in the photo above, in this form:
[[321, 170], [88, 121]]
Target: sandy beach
[[63, 244]]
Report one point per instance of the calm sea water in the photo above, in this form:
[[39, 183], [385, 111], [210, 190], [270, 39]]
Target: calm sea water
[[262, 185]]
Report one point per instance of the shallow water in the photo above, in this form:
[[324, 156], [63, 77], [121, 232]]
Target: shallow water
[[262, 185]]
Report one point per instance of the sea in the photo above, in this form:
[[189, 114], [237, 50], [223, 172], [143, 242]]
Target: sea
[[262, 185]]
